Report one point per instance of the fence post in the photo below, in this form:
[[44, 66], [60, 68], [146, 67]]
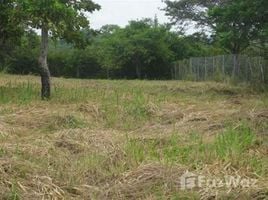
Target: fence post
[[205, 69], [223, 65], [199, 71], [250, 72], [175, 71], [171, 71], [262, 72], [178, 70], [213, 65], [234, 65], [247, 68], [191, 66]]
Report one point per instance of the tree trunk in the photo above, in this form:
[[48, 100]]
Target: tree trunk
[[44, 70]]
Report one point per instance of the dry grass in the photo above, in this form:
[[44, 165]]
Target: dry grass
[[129, 139]]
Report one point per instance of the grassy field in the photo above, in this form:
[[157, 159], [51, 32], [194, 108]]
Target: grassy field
[[98, 139]]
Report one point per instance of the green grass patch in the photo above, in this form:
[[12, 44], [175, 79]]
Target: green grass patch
[[230, 146], [234, 142], [21, 94]]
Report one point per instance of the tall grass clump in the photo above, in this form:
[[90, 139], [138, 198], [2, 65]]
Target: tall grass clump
[[22, 93], [234, 142], [136, 107]]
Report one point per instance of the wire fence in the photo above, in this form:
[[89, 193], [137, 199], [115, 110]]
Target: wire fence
[[222, 68]]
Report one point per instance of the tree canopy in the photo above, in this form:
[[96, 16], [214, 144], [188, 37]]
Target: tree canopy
[[234, 23], [238, 23]]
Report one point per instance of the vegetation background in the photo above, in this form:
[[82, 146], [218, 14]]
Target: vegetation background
[[144, 49]]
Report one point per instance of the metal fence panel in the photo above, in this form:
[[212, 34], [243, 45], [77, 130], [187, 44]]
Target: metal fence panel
[[222, 67]]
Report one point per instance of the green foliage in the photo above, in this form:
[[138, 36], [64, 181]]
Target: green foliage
[[143, 49], [234, 24], [63, 18], [185, 12], [24, 57], [238, 23], [11, 30]]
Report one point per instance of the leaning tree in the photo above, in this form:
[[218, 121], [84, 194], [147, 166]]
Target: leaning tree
[[62, 19]]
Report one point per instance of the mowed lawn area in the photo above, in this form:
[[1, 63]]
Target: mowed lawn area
[[119, 139]]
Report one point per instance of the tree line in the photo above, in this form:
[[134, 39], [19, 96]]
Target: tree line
[[66, 46]]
